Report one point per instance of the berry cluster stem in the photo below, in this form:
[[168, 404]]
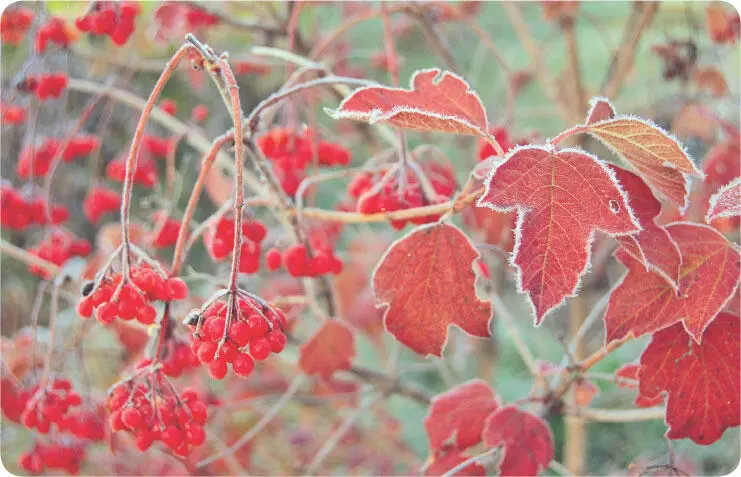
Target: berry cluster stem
[[136, 142]]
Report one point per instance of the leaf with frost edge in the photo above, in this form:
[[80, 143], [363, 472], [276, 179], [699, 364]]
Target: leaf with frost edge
[[710, 216], [377, 115], [522, 211]]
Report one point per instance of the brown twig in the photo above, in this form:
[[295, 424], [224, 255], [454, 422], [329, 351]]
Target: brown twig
[[625, 55]]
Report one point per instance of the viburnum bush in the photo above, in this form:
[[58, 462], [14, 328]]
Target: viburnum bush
[[297, 319]]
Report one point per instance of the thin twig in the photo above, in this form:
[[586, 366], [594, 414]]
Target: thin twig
[[264, 421]]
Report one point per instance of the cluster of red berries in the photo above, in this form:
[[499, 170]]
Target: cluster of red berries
[[134, 299], [83, 424], [389, 197], [502, 136], [49, 405], [113, 19], [219, 241], [177, 423], [177, 359], [254, 333], [100, 201], [40, 157], [12, 114], [17, 212], [52, 456], [45, 85], [299, 263], [144, 175], [55, 30], [57, 247], [291, 152], [157, 146], [166, 235], [14, 23]]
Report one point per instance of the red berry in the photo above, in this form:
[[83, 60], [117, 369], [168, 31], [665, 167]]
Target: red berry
[[273, 259], [217, 369], [243, 365], [240, 333], [132, 418], [277, 341], [206, 352], [260, 348], [172, 437], [258, 326], [178, 288]]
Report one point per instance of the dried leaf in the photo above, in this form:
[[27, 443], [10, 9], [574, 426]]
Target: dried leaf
[[561, 198], [426, 283], [711, 79], [701, 380]]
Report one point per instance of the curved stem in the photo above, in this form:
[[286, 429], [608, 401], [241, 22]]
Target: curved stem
[[206, 163], [131, 160]]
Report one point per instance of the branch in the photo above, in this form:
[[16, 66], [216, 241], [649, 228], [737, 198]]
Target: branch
[[618, 415], [625, 55], [264, 421], [192, 135], [533, 49], [392, 386]]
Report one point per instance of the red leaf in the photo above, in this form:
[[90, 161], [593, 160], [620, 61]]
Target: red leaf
[[446, 462], [653, 245], [726, 202], [701, 380], [526, 438], [600, 109], [434, 102], [561, 198], [457, 416], [657, 157], [644, 302], [330, 349], [426, 283], [629, 373]]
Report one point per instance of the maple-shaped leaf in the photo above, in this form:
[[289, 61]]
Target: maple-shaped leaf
[[726, 202], [456, 417], [561, 198], [329, 349], [600, 109], [644, 302], [657, 157], [426, 282], [627, 377], [653, 245], [435, 102], [527, 440], [701, 380], [445, 462]]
